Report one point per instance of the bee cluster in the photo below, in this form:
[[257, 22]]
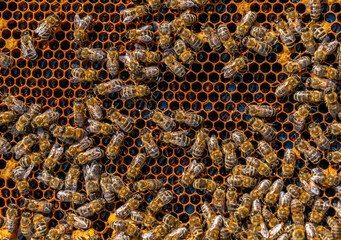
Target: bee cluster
[[259, 196]]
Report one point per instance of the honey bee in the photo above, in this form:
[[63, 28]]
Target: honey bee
[[20, 173], [149, 143], [260, 110], [287, 87], [59, 230], [158, 232], [54, 156], [184, 54], [12, 218], [318, 31], [297, 210], [208, 213], [268, 153], [45, 119], [308, 96], [213, 229], [143, 219], [260, 47], [120, 120], [80, 74], [23, 123], [242, 142], [324, 71], [179, 4], [148, 185], [308, 185], [44, 142], [331, 100], [324, 233], [257, 219], [143, 34], [274, 192], [92, 174], [40, 224], [297, 64], [335, 226], [132, 204], [191, 38], [334, 129], [133, 91], [231, 200], [78, 148], [308, 41], [67, 134], [214, 150], [315, 9], [191, 172], [174, 66], [80, 26], [195, 226], [226, 38], [164, 34], [309, 152], [283, 210], [229, 150], [72, 197], [320, 83], [89, 234], [91, 208], [78, 221], [258, 32], [245, 24], [143, 55], [27, 46], [5, 146], [130, 14], [50, 180], [272, 221], [162, 198], [219, 199], [91, 54], [318, 211], [260, 189], [45, 29], [98, 127], [109, 87], [113, 148], [122, 190], [94, 108], [78, 112], [189, 118], [265, 129], [14, 104], [178, 138], [7, 117], [318, 137], [286, 34], [199, 145], [6, 61], [135, 166], [297, 192], [334, 157], [294, 20], [326, 178], [26, 224], [289, 162], [130, 62], [126, 226], [203, 184], [241, 181], [89, 155], [324, 50], [237, 65], [113, 64], [107, 188], [311, 231], [24, 145], [211, 37], [299, 117], [38, 206]]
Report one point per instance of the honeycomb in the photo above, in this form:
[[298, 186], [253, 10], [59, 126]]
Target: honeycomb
[[220, 101]]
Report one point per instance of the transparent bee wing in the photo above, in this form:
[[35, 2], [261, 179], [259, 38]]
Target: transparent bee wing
[[310, 49], [41, 27], [77, 21], [182, 133], [156, 25], [24, 52], [264, 230], [129, 19], [123, 58], [28, 171], [75, 65], [144, 38], [127, 10], [14, 130], [138, 46], [80, 223], [147, 27]]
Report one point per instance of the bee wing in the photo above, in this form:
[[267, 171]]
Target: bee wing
[[14, 130], [75, 65], [129, 19], [147, 27], [24, 52], [77, 21], [130, 119], [41, 27], [264, 230], [182, 133], [186, 4], [80, 223], [138, 46], [28, 171], [325, 205], [310, 49], [122, 58], [227, 66], [156, 25], [127, 10], [144, 38]]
